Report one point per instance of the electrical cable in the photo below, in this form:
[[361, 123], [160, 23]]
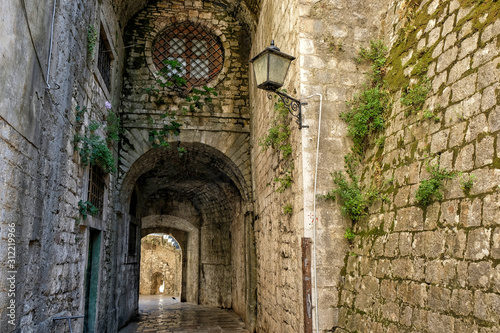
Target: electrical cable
[[50, 44]]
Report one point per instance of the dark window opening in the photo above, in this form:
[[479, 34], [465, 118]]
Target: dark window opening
[[194, 47], [133, 204], [96, 188], [104, 59], [132, 239]]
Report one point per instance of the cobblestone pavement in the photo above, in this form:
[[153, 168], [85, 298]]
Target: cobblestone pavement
[[162, 314]]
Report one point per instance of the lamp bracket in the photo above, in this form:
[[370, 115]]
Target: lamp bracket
[[293, 105]]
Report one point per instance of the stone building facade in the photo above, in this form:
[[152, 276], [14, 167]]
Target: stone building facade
[[239, 211]]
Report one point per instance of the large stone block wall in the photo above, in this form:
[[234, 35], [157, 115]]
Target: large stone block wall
[[331, 35], [434, 268], [277, 234], [42, 177]]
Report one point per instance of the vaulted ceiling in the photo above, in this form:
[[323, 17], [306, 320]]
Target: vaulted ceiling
[[126, 9]]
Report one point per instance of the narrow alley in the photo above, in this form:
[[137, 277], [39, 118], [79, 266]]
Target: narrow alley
[[162, 314]]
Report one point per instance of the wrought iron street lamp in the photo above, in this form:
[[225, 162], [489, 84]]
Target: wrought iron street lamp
[[270, 68]]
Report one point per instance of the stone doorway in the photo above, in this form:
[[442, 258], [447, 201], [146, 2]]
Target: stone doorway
[[161, 266]]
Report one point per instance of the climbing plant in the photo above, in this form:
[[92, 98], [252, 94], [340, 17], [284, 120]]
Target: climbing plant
[[87, 208], [277, 138], [364, 117], [91, 39], [169, 78], [278, 135], [93, 148]]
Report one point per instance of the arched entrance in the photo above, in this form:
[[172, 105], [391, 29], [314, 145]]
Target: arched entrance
[[201, 199], [161, 266]]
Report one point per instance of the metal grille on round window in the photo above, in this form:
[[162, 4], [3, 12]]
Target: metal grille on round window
[[196, 49]]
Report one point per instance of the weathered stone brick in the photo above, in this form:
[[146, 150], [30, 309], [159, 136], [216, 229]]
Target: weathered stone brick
[[402, 268], [484, 151], [488, 74], [466, 325], [390, 311], [461, 302], [458, 70], [434, 35], [470, 212], [449, 213], [466, 28], [438, 298], [409, 219], [489, 98], [478, 244], [440, 323], [412, 293], [439, 141], [431, 217], [486, 306], [490, 31], [480, 274], [391, 245], [494, 120], [455, 241], [464, 88], [405, 243], [477, 125], [491, 210], [468, 45], [441, 271], [485, 54], [486, 180], [446, 59], [448, 25], [402, 196], [495, 248]]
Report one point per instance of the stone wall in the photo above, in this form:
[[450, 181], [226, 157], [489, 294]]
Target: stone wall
[[276, 233], [332, 33], [43, 178], [161, 260], [433, 268]]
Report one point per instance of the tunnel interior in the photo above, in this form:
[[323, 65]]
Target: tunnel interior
[[197, 197]]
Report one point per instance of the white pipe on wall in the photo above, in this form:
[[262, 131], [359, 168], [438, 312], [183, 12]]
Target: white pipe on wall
[[314, 212]]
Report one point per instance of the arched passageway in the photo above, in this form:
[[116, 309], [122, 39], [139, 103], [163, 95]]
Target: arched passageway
[[200, 198]]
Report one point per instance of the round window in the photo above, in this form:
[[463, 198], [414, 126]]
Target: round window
[[197, 53]]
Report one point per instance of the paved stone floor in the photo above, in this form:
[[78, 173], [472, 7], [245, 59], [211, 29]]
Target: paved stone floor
[[162, 314]]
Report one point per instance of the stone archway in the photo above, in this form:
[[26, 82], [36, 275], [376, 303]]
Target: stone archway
[[182, 230], [201, 198]]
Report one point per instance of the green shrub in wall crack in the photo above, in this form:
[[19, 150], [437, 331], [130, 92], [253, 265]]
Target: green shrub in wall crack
[[278, 135], [430, 189], [415, 96], [349, 235], [288, 209], [354, 200], [366, 116], [91, 39], [94, 150], [285, 181]]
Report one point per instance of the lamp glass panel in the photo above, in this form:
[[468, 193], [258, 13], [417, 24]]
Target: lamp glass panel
[[278, 67], [260, 68]]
